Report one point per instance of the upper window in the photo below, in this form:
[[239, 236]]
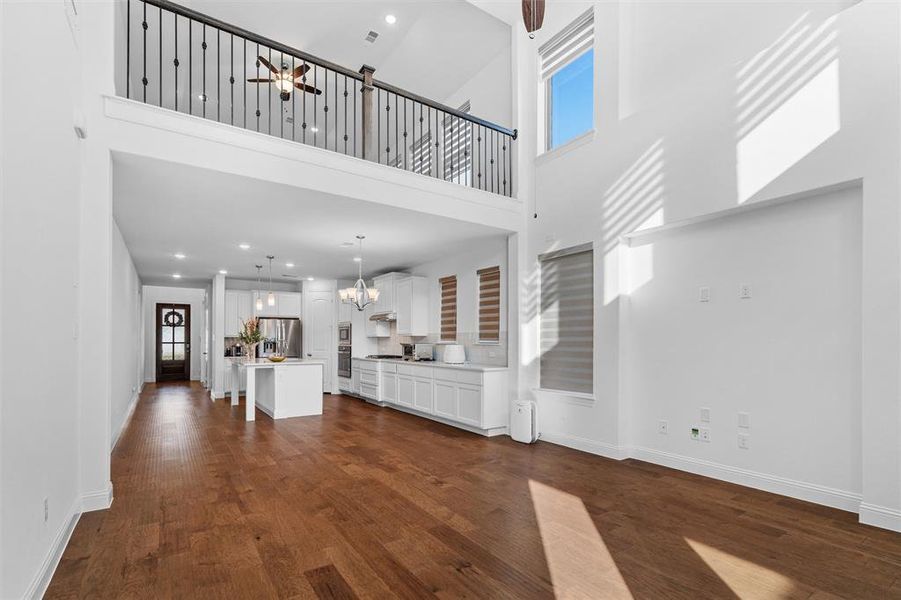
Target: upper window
[[489, 304], [567, 73]]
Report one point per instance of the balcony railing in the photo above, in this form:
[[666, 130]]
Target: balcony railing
[[185, 61]]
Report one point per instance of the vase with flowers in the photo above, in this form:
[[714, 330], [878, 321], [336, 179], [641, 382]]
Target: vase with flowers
[[250, 336]]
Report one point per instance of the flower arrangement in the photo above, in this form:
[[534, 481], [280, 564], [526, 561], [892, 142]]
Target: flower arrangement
[[250, 336]]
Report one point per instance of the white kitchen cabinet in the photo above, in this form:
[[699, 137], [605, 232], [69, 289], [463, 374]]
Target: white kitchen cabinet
[[355, 380], [405, 390], [389, 388], [469, 404], [238, 308], [385, 284], [345, 314], [422, 394], [445, 399], [412, 304], [288, 304]]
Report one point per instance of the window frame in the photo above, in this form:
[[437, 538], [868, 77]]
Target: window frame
[[549, 105], [441, 283], [500, 301]]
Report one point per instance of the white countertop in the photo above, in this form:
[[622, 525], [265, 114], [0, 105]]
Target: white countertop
[[467, 366], [259, 363]]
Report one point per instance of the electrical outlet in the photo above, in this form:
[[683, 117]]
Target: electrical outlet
[[744, 420], [695, 433], [46, 510], [744, 291], [704, 294], [705, 434], [662, 427], [744, 441], [705, 415]]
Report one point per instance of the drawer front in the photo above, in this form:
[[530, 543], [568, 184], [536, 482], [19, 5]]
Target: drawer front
[[469, 377], [445, 374], [388, 367], [409, 370], [369, 391], [369, 377], [368, 366]]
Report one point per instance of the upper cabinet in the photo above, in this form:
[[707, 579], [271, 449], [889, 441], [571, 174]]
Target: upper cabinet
[[238, 308], [287, 304], [387, 286], [411, 297]]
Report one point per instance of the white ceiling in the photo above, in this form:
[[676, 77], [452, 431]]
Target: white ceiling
[[432, 50], [166, 208]]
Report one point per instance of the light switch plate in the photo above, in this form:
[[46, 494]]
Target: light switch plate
[[705, 415], [744, 291], [744, 441], [744, 420], [704, 294]]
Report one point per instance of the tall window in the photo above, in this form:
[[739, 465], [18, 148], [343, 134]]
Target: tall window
[[567, 320], [489, 304], [448, 308], [567, 70]]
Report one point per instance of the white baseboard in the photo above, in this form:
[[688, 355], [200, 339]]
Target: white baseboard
[[800, 490], [880, 516], [131, 411], [42, 578], [97, 500], [585, 445]]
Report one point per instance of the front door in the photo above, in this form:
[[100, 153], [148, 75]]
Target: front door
[[173, 342]]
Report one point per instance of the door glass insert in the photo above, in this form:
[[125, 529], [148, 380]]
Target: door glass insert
[[173, 333]]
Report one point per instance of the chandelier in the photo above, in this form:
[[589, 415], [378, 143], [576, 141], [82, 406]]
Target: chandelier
[[359, 295]]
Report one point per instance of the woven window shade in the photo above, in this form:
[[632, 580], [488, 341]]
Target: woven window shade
[[567, 321], [489, 304], [576, 38], [448, 308]]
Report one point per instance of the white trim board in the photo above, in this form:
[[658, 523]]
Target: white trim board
[[585, 445], [41, 581], [643, 236], [97, 500], [880, 516], [131, 411]]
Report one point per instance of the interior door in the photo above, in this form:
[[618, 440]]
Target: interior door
[[173, 342], [319, 321]]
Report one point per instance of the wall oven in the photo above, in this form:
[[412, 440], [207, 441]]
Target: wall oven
[[344, 361], [344, 333]]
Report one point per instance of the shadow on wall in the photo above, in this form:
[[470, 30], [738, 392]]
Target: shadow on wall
[[787, 101]]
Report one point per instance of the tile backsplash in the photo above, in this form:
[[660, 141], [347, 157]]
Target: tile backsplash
[[489, 354]]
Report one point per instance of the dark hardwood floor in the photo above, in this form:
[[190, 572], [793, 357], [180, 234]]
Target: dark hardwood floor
[[372, 503]]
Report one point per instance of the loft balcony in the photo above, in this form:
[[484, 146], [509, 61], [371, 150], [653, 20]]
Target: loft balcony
[[182, 60]]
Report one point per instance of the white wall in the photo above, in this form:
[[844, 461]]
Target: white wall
[[789, 355], [40, 159], [687, 123], [128, 341], [482, 90], [158, 294]]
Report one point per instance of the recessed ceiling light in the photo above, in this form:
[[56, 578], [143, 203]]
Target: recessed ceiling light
[[289, 265], [357, 259], [347, 244], [309, 279], [390, 19], [176, 276], [179, 256], [244, 246], [223, 272]]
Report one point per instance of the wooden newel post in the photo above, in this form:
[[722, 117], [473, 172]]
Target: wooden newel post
[[368, 116]]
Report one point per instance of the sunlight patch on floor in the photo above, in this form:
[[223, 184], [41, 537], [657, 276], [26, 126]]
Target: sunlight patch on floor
[[746, 579], [578, 560]]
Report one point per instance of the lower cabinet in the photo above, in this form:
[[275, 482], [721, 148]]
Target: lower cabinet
[[446, 399], [405, 390], [469, 404], [389, 388], [422, 394]]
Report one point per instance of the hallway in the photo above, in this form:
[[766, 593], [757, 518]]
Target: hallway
[[373, 503]]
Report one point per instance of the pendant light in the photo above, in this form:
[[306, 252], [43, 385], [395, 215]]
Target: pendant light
[[270, 299], [359, 295], [259, 302]]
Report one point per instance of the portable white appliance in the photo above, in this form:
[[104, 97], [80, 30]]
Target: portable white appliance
[[454, 354], [524, 422]]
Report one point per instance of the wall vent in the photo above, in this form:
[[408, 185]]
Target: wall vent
[[372, 36]]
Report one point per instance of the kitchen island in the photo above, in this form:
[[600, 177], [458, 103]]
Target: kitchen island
[[292, 388]]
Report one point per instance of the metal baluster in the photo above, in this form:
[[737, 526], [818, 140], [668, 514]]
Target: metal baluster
[[281, 118], [244, 77], [504, 161], [325, 111], [161, 55], [396, 141], [293, 103], [190, 67], [303, 127], [269, 103], [203, 46], [345, 114], [315, 116], [144, 27], [472, 152], [128, 50], [258, 86], [231, 76], [388, 128], [354, 85], [335, 106], [378, 119], [405, 133], [175, 60], [218, 76]]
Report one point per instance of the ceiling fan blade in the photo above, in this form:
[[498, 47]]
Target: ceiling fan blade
[[299, 71], [268, 65], [307, 88], [533, 14], [256, 80]]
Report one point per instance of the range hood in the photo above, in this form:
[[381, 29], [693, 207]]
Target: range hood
[[388, 317]]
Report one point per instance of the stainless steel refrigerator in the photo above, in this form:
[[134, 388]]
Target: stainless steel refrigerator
[[282, 335]]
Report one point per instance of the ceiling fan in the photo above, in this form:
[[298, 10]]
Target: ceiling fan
[[285, 79]]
